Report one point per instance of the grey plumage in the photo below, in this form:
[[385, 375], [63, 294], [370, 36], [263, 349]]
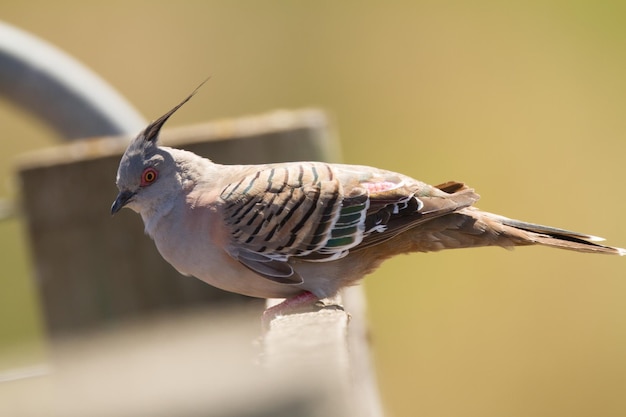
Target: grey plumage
[[278, 230]]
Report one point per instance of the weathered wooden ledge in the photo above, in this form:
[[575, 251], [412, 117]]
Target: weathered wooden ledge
[[333, 340], [202, 364]]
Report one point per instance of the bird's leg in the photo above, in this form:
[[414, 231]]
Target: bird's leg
[[305, 301], [296, 304]]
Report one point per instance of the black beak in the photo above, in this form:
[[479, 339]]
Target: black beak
[[122, 199]]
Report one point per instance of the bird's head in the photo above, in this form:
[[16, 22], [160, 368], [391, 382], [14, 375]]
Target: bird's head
[[146, 171]]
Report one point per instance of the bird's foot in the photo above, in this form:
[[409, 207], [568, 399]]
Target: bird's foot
[[301, 303]]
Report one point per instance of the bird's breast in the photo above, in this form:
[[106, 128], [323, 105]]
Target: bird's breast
[[193, 240]]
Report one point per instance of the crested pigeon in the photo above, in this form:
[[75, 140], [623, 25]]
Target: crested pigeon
[[303, 230]]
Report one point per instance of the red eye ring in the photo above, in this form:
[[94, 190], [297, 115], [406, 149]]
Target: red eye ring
[[148, 176]]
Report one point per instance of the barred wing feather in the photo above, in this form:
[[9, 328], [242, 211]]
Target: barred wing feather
[[319, 212]]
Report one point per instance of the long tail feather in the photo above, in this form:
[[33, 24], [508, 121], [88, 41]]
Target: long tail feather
[[561, 238]]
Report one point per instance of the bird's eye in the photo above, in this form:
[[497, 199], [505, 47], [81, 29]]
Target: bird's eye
[[148, 177]]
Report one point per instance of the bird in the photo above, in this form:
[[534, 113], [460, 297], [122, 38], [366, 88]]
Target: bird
[[302, 231]]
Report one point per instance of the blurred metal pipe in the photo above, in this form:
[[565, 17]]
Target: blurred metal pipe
[[72, 99]]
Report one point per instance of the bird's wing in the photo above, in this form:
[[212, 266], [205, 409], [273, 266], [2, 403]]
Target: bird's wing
[[278, 212], [319, 212]]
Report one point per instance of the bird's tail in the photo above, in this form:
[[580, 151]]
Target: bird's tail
[[554, 237]]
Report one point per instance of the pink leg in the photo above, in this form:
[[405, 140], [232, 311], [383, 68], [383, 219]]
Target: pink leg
[[297, 304]]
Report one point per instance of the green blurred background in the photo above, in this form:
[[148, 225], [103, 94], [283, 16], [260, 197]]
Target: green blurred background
[[523, 100]]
